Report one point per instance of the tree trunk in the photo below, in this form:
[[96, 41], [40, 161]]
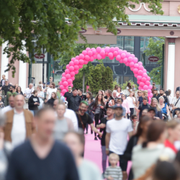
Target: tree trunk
[[83, 82]]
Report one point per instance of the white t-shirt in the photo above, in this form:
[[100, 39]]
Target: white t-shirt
[[130, 101], [49, 92], [18, 133], [6, 109], [174, 100], [119, 130], [72, 116], [28, 92]]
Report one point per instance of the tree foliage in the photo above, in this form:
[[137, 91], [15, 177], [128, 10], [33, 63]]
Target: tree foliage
[[55, 24], [100, 77], [155, 48]]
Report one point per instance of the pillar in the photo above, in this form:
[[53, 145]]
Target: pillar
[[171, 65]]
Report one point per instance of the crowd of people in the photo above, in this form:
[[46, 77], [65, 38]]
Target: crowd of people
[[42, 133]]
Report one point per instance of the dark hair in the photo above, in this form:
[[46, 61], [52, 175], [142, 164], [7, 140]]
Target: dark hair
[[109, 92], [55, 95], [74, 89], [42, 110], [143, 119], [115, 87], [133, 116], [145, 98], [90, 95], [128, 85], [35, 91], [165, 170], [96, 101], [53, 84], [79, 134], [161, 89], [80, 90], [167, 93], [156, 128]]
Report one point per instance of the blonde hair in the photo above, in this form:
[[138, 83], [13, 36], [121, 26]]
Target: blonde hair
[[172, 124], [114, 155], [157, 104], [161, 97]]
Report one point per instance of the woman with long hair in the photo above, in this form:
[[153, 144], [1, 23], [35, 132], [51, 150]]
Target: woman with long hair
[[40, 95], [18, 90], [173, 129], [138, 138], [145, 155], [154, 104], [52, 99], [75, 141], [129, 87], [97, 107], [119, 93]]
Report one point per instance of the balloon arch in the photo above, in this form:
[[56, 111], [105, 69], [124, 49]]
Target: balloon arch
[[99, 53]]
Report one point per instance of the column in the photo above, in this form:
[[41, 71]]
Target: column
[[4, 61], [171, 65], [22, 72]]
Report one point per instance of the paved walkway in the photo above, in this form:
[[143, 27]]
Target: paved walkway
[[93, 151]]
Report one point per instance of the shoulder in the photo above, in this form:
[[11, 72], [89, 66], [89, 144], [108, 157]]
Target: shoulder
[[60, 147], [110, 122]]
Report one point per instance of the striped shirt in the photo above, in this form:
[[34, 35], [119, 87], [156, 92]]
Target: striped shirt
[[114, 172]]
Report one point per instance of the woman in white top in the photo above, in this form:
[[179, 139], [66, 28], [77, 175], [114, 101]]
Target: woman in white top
[[118, 94], [146, 155], [52, 88], [86, 169], [131, 101], [129, 88]]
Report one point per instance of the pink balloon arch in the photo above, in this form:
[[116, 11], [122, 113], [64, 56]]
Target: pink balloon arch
[[99, 53]]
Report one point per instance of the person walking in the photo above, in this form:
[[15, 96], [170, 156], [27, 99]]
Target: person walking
[[144, 105], [19, 91], [28, 91], [86, 169], [80, 94], [125, 104], [131, 101], [74, 100], [10, 106], [97, 107], [42, 157], [164, 108], [155, 105], [19, 123], [63, 124], [40, 95], [117, 131], [50, 102], [68, 94], [33, 102], [102, 127], [52, 89]]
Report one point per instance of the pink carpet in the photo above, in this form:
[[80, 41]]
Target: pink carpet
[[93, 151]]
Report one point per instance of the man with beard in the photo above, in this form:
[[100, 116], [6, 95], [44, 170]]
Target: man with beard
[[117, 131], [166, 101], [84, 118]]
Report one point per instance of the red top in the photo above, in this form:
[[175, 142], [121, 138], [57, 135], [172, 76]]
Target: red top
[[170, 145]]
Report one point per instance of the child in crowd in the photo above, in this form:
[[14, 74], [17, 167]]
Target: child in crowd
[[113, 172]]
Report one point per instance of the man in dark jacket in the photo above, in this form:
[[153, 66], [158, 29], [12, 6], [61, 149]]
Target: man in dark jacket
[[80, 93], [68, 94], [74, 100]]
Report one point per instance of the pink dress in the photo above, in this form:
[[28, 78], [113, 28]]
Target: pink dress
[[125, 104]]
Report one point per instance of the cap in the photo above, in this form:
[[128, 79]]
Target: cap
[[117, 106], [156, 89], [152, 109]]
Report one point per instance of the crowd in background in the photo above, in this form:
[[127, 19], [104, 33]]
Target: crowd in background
[[128, 127]]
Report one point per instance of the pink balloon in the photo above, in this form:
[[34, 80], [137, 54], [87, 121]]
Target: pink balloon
[[88, 49], [102, 53], [76, 62], [61, 83], [69, 81], [71, 68], [136, 65], [148, 78], [150, 86], [140, 72], [77, 57], [131, 64], [141, 84], [125, 60], [95, 56], [118, 57], [84, 52], [67, 66], [110, 55], [112, 49], [86, 58], [71, 63], [123, 55], [80, 66], [149, 91], [90, 53], [63, 79], [99, 57], [65, 83], [76, 67], [147, 82], [71, 85], [127, 64], [135, 59], [141, 67], [68, 76], [135, 70], [140, 63], [145, 87], [116, 49], [98, 49], [81, 56], [63, 74], [143, 79], [67, 71], [64, 91], [61, 87], [72, 73], [130, 59], [139, 77], [76, 71], [107, 49], [91, 58], [73, 59], [115, 53], [73, 78], [81, 61]]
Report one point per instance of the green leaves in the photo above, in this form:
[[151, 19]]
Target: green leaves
[[45, 21]]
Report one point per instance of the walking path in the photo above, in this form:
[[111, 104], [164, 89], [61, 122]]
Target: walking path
[[93, 151]]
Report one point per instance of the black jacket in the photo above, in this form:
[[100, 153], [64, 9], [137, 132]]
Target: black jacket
[[51, 102], [31, 102], [67, 95], [74, 102]]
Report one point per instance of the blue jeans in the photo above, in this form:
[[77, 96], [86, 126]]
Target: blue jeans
[[122, 161], [104, 158]]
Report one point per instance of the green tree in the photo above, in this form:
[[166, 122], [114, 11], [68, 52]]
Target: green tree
[[107, 78], [55, 24], [155, 48]]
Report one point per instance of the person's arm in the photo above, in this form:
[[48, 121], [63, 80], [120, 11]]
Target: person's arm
[[167, 109], [131, 134], [101, 126], [95, 130], [74, 120], [107, 140]]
